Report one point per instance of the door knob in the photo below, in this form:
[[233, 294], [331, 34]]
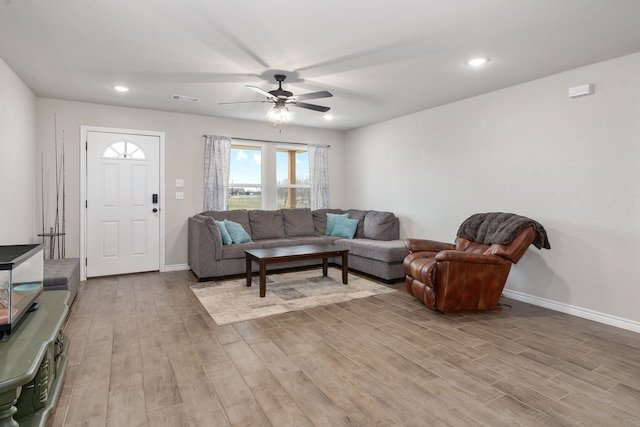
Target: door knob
[[155, 210]]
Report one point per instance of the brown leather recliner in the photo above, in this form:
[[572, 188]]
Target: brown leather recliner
[[470, 274]]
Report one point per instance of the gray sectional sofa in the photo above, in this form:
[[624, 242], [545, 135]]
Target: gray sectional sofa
[[375, 249]]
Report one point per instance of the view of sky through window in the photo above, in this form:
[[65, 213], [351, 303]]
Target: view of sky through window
[[282, 164], [246, 166]]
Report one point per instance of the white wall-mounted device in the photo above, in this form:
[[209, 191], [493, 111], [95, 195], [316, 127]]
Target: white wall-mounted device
[[582, 90]]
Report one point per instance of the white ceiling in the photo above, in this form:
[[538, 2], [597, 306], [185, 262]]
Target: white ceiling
[[380, 58]]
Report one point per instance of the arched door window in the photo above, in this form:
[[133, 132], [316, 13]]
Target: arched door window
[[124, 150]]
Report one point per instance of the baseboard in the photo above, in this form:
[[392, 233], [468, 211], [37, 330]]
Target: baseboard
[[596, 316], [176, 267]]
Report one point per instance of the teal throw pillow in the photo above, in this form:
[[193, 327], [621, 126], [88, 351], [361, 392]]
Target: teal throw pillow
[[226, 237], [237, 232], [331, 222], [345, 227]]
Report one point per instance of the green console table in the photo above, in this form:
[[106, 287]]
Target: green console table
[[33, 362]]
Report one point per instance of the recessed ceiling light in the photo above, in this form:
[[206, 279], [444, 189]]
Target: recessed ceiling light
[[121, 88], [475, 62], [328, 117]]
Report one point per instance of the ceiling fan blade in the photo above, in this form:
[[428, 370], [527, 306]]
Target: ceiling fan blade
[[310, 106], [261, 91], [241, 102], [313, 95]]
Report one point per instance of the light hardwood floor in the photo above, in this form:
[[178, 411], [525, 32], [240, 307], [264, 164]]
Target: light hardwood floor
[[144, 352]]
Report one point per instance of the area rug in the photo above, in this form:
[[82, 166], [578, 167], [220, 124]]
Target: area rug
[[232, 301]]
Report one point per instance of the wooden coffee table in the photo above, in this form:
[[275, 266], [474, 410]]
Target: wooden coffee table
[[265, 257]]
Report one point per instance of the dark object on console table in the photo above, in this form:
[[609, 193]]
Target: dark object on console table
[[470, 274], [62, 274], [33, 362]]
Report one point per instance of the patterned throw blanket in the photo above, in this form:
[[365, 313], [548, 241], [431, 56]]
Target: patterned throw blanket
[[501, 228]]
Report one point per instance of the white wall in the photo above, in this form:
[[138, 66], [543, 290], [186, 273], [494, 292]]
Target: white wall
[[184, 157], [571, 164], [18, 160]]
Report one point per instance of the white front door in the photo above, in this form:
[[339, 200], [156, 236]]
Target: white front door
[[123, 210]]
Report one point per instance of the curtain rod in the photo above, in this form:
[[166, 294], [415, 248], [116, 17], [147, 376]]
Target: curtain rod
[[267, 140]]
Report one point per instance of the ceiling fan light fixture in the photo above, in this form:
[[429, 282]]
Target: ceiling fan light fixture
[[279, 114]]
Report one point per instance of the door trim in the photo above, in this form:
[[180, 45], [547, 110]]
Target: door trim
[[83, 190]]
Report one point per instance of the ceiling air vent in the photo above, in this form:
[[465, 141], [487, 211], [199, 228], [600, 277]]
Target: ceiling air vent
[[185, 98]]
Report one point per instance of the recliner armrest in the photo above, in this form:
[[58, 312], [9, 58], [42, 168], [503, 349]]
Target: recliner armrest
[[415, 245], [461, 256]]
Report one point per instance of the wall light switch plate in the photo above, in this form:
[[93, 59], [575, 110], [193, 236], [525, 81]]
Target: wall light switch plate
[[179, 182], [179, 195]]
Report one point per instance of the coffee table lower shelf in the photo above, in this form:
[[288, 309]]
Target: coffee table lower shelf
[[265, 257]]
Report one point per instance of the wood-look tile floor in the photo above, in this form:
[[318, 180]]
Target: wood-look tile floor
[[144, 352]]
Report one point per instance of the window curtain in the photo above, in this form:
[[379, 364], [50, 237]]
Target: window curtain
[[217, 158], [319, 175]]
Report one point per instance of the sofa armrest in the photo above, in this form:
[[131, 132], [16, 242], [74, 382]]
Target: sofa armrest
[[415, 245], [474, 258], [204, 246]]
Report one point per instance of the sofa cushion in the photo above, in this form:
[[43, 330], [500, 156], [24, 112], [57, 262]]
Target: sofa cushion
[[344, 227], [379, 225], [389, 251], [237, 232], [312, 240], [297, 222], [358, 215], [266, 224], [224, 234], [320, 220], [241, 216], [332, 219], [237, 251]]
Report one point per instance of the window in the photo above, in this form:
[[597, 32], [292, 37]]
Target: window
[[123, 150], [268, 176], [292, 178], [245, 177]]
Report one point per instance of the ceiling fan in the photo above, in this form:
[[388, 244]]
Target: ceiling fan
[[281, 99]]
